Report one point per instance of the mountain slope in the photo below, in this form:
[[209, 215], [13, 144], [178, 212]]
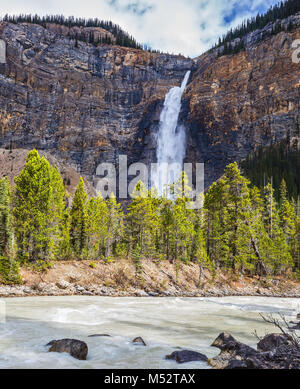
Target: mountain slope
[[86, 105], [235, 103]]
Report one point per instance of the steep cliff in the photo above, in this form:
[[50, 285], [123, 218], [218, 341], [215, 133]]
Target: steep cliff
[[86, 104], [235, 103], [83, 104]]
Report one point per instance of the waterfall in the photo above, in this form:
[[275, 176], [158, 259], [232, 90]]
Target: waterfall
[[171, 143]]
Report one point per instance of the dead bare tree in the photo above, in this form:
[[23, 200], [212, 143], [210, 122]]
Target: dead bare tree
[[291, 334]]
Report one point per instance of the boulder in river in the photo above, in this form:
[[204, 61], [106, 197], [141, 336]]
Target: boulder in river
[[272, 341], [76, 348], [231, 350], [99, 335], [139, 340], [184, 356], [236, 364], [275, 351]]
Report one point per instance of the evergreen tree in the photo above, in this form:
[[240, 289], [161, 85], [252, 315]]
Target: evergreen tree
[[213, 222], [199, 251], [97, 213], [142, 220], [276, 249], [166, 222], [278, 12], [79, 221], [296, 245], [115, 226], [58, 224], [6, 235], [236, 219], [183, 220], [32, 208]]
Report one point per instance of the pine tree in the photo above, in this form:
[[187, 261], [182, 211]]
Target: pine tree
[[237, 219], [199, 252], [183, 220], [59, 220], [276, 249], [6, 235], [79, 221], [142, 220], [97, 212], [296, 245], [32, 208], [232, 223], [9, 267], [287, 216], [166, 222], [213, 222], [115, 226]]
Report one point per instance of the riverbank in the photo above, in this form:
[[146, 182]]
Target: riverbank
[[66, 278]]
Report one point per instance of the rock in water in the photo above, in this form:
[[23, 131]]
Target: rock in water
[[99, 335], [186, 356], [231, 350], [236, 364], [272, 341], [140, 341], [76, 348], [275, 351]]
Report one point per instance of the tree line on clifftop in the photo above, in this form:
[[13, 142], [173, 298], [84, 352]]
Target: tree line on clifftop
[[276, 13], [121, 37], [240, 227]]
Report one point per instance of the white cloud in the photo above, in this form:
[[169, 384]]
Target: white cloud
[[177, 26]]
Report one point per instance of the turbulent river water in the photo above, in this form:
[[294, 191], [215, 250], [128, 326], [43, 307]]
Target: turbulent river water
[[166, 324]]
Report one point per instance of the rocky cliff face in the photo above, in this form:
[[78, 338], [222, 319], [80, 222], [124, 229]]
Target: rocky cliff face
[[87, 105], [83, 104], [237, 102]]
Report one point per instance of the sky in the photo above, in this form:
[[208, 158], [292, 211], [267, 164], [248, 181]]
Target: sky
[[188, 27]]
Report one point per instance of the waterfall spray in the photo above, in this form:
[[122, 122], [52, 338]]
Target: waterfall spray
[[171, 142]]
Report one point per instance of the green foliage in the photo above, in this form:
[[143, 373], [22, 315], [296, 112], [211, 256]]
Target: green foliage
[[97, 227], [41, 266], [241, 228], [9, 271], [244, 230], [114, 227], [278, 162], [5, 218], [142, 221], [79, 221], [136, 257], [38, 201]]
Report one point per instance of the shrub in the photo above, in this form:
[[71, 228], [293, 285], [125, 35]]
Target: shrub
[[9, 271]]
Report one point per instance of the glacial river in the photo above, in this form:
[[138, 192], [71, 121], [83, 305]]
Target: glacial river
[[166, 324]]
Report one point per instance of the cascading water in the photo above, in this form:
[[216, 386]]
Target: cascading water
[[171, 143]]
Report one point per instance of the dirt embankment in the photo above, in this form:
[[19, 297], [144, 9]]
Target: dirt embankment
[[119, 278]]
